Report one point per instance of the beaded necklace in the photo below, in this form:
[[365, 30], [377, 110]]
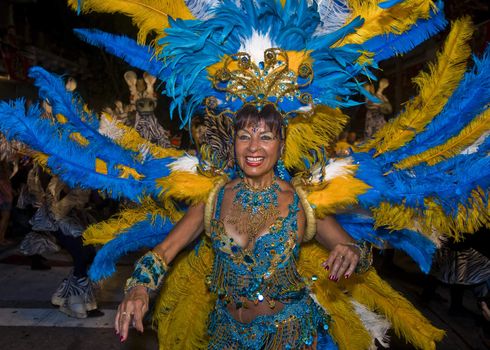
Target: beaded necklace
[[254, 208]]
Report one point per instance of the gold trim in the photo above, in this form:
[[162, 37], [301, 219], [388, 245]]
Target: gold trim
[[310, 230], [209, 208]]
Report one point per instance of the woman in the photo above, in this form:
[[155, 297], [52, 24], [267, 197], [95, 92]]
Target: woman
[[257, 225]]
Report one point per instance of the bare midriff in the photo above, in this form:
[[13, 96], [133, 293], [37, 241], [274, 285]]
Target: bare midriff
[[252, 309]]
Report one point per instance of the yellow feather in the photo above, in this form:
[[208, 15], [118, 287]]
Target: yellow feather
[[370, 290], [184, 303], [148, 15], [132, 140], [340, 193], [453, 146], [433, 220], [187, 187], [104, 231], [396, 19], [79, 138], [100, 166], [346, 328], [435, 89], [308, 132], [61, 118]]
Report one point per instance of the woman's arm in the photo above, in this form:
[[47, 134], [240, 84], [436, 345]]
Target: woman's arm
[[344, 253], [136, 301]]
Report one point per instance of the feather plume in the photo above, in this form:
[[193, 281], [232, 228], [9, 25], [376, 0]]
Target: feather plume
[[370, 290], [185, 163], [127, 49], [184, 302], [148, 15], [435, 90], [455, 145], [388, 45], [467, 101], [339, 193], [377, 325], [333, 300], [143, 234], [131, 140], [364, 228], [333, 15], [306, 133], [102, 232], [187, 187], [378, 20]]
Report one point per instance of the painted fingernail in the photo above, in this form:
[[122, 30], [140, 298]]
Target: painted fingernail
[[347, 275], [327, 267]]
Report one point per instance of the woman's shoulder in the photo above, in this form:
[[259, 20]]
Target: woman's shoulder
[[230, 184], [287, 190]]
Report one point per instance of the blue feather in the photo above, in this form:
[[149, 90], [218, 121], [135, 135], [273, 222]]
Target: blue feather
[[389, 3], [417, 246], [145, 234], [75, 164], [127, 49], [388, 45], [468, 101]]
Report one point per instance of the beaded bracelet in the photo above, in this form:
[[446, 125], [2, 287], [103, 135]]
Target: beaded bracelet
[[149, 272], [365, 257]]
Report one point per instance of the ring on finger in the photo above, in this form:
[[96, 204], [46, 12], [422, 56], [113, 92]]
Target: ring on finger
[[124, 314], [341, 256]]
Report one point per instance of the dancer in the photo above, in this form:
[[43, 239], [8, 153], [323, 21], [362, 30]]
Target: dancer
[[307, 60]]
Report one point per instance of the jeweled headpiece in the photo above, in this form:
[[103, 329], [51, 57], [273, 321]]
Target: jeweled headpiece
[[272, 80]]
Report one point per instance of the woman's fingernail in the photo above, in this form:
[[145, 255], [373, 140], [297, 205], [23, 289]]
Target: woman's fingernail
[[327, 267], [346, 275]]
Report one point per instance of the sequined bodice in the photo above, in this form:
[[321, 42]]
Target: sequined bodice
[[267, 271]]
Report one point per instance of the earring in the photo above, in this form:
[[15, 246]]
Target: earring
[[281, 171]]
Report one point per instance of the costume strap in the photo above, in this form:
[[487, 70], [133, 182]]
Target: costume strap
[[309, 212], [210, 205]]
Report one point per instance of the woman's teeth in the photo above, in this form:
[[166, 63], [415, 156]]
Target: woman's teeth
[[254, 159]]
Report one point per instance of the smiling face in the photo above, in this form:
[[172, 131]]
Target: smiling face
[[257, 145]]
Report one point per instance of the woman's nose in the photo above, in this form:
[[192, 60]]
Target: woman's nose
[[253, 144]]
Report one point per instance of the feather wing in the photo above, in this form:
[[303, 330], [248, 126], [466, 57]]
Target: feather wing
[[148, 15]]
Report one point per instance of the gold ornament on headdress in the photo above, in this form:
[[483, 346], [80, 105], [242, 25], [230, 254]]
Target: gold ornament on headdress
[[269, 82]]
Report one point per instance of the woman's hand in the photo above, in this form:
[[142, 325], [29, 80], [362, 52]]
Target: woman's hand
[[344, 255], [342, 261], [131, 311]]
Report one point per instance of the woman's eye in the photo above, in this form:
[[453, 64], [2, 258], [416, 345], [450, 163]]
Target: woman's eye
[[243, 137], [266, 138]]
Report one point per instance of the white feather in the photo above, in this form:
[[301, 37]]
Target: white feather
[[375, 324], [256, 45], [333, 15], [202, 9], [336, 167], [109, 128], [186, 163], [473, 148]]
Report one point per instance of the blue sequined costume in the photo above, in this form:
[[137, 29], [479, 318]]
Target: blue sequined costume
[[266, 273]]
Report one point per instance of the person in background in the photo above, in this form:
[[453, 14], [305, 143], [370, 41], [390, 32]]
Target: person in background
[[6, 198]]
